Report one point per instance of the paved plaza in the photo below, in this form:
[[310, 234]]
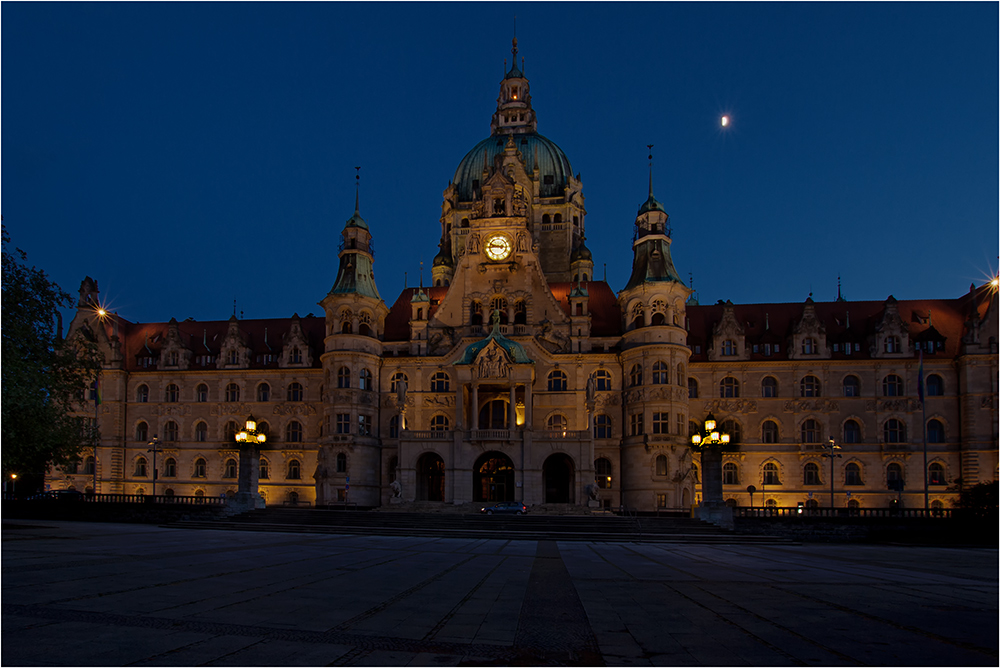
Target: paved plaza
[[116, 594]]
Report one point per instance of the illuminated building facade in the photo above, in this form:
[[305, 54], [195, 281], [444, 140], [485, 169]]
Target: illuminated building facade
[[517, 376]]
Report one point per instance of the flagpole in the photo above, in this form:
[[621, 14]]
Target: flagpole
[[97, 404], [923, 427]]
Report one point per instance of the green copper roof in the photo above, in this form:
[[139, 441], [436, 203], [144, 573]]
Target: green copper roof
[[551, 162], [652, 263], [514, 349], [355, 276], [651, 204]]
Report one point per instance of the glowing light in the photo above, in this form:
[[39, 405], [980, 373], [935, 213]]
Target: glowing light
[[724, 121], [101, 312]]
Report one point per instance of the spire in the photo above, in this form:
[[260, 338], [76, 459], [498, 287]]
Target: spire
[[514, 114], [651, 203], [357, 190], [650, 147]]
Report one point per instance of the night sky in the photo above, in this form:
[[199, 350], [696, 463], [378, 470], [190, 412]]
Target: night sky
[[189, 154]]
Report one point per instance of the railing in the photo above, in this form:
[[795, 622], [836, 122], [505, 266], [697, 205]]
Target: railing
[[806, 512], [558, 434], [433, 435], [520, 330], [63, 496], [490, 434]]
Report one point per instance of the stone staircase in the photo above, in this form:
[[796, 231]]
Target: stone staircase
[[473, 525]]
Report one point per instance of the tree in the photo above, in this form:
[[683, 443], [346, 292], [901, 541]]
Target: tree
[[45, 377]]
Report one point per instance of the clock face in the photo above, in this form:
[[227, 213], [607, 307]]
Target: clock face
[[497, 247]]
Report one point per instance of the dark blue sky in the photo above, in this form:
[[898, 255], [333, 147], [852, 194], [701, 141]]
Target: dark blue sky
[[187, 154]]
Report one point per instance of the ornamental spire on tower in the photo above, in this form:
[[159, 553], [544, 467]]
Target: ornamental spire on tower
[[514, 114]]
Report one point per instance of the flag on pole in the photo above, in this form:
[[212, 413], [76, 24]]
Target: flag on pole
[[920, 377]]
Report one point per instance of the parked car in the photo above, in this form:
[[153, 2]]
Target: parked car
[[509, 507]]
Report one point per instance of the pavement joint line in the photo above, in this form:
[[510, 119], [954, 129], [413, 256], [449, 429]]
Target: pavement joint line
[[896, 625], [430, 635]]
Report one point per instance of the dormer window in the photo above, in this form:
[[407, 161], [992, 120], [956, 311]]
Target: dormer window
[[728, 347], [892, 344], [809, 346], [296, 356], [499, 206], [233, 357]]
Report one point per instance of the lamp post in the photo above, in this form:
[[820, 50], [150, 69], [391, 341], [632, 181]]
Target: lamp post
[[710, 442], [832, 447], [13, 485], [154, 447], [249, 440]]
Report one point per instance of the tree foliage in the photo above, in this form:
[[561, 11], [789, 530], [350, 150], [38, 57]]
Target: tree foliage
[[44, 376]]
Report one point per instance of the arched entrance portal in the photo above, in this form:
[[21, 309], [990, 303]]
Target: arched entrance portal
[[493, 415], [558, 478], [430, 477], [493, 478]]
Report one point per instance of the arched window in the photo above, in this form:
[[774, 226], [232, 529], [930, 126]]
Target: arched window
[[557, 422], [142, 432], [769, 387], [263, 392], [343, 377], [729, 388], [140, 467], [475, 313], [602, 473], [365, 380], [852, 386], [602, 380], [935, 431], [809, 386], [142, 394], [199, 468], [810, 431], [170, 431], [769, 431], [295, 392], [635, 375], [810, 474], [293, 433], [439, 423], [894, 431], [172, 394], [894, 475], [661, 373], [264, 428], [638, 316], [440, 382], [557, 381], [852, 432], [394, 426], [935, 474], [201, 392], [935, 386], [770, 472], [170, 468], [201, 432], [520, 313], [730, 474], [852, 474], [294, 470], [728, 348], [341, 462], [232, 392], [809, 346], [661, 465], [734, 429], [89, 465], [230, 469], [602, 426], [229, 432], [892, 386], [892, 344], [692, 388]]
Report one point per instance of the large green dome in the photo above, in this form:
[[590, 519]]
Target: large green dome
[[551, 162]]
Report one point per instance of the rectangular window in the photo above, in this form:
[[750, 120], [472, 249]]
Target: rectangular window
[[635, 424], [364, 425], [777, 348], [679, 427], [756, 348], [661, 423], [697, 350], [836, 347], [343, 423], [661, 500], [767, 349]]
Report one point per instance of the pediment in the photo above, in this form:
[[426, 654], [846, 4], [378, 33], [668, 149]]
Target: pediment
[[492, 362]]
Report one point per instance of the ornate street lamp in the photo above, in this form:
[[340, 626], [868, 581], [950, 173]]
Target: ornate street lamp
[[249, 441], [154, 447], [711, 441], [832, 454]]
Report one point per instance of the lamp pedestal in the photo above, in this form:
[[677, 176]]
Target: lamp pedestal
[[713, 507], [247, 497]]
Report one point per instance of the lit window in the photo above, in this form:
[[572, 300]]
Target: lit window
[[602, 472]]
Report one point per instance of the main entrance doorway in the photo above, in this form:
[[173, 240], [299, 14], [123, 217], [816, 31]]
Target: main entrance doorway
[[493, 478], [430, 477], [557, 475]]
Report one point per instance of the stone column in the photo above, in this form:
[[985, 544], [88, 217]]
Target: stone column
[[713, 507], [474, 409], [248, 497], [459, 407], [511, 413], [527, 406]]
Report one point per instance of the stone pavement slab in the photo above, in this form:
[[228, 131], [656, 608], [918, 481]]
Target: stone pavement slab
[[113, 594]]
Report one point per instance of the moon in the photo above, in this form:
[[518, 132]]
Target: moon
[[724, 120]]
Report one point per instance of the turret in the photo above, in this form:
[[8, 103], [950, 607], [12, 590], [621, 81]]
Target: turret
[[514, 114]]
